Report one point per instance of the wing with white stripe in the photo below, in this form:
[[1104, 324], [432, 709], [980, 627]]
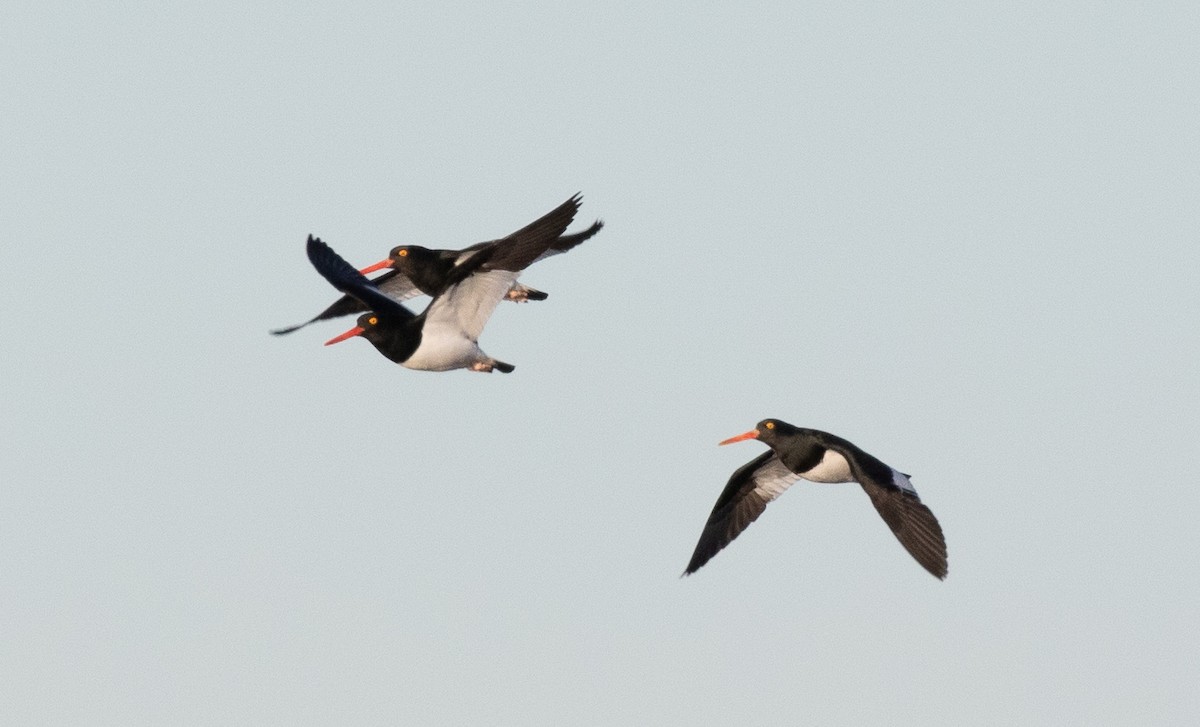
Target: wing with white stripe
[[744, 498], [397, 285]]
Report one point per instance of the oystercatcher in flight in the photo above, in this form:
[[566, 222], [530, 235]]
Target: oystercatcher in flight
[[416, 270], [445, 335], [818, 456]]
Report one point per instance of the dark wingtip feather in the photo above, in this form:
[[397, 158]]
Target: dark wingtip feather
[[567, 242], [694, 566], [346, 278], [737, 506], [332, 267], [289, 329], [312, 243], [344, 306], [525, 245], [921, 535]]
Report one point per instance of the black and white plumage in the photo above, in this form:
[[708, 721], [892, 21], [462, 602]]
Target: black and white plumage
[[817, 456], [414, 270], [445, 335]]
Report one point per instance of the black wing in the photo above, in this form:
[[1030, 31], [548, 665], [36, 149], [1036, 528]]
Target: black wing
[[913, 524], [343, 306], [898, 504], [566, 242], [561, 245], [518, 250], [393, 282], [343, 276], [744, 498]]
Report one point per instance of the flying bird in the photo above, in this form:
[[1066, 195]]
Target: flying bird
[[818, 456], [445, 335], [415, 270]]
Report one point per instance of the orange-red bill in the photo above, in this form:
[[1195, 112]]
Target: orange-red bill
[[377, 266], [356, 331], [752, 434]]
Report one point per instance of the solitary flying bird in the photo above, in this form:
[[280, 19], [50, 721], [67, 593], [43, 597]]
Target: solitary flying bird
[[818, 456], [416, 270], [445, 335]]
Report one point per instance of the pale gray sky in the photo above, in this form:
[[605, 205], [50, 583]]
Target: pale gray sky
[[963, 237]]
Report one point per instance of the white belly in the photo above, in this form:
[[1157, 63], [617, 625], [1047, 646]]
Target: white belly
[[443, 349], [833, 467]]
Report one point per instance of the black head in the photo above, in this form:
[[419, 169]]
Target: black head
[[768, 431], [404, 257], [401, 258], [396, 338], [366, 326], [772, 430]]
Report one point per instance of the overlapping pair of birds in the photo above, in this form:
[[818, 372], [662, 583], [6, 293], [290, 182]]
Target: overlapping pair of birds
[[466, 286]]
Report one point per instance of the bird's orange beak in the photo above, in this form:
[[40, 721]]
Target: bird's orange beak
[[377, 266], [356, 331], [752, 434]]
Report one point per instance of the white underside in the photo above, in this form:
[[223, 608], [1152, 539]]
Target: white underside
[[773, 478], [444, 348], [833, 467], [455, 319]]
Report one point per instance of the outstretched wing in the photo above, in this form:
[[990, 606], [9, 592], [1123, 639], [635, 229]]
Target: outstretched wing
[[744, 498], [517, 251], [343, 306], [397, 285], [393, 282], [912, 523], [343, 276], [561, 245], [468, 305], [898, 504], [480, 282], [566, 242]]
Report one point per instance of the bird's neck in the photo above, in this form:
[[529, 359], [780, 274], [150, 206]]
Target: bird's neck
[[396, 342]]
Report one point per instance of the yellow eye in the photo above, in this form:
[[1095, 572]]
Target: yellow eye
[[372, 320], [403, 253], [770, 425]]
